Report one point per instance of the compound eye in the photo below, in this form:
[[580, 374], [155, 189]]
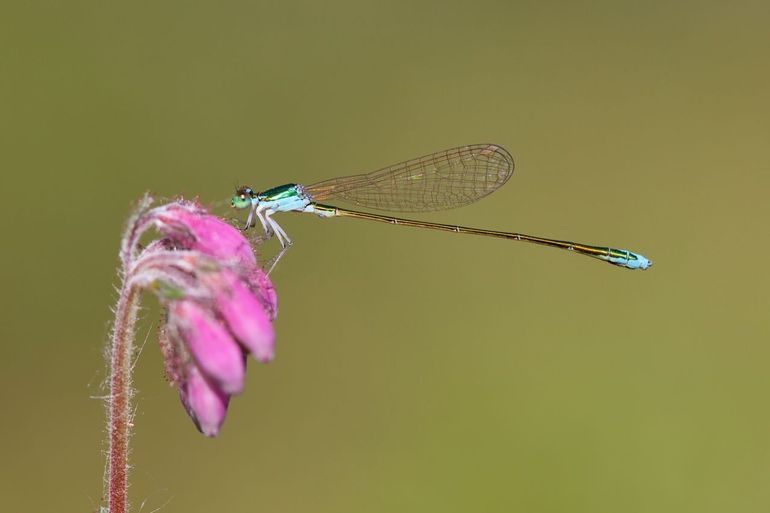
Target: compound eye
[[240, 200]]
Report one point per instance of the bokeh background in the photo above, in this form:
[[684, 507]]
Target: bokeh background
[[416, 371]]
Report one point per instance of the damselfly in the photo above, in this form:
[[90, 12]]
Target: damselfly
[[441, 180]]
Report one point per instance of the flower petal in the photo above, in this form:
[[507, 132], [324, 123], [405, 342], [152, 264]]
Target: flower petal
[[263, 288], [245, 316], [196, 230], [210, 344], [205, 403]]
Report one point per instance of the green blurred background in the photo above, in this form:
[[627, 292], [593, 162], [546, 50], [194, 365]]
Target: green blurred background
[[415, 371]]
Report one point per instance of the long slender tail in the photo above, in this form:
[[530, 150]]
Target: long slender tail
[[619, 257]]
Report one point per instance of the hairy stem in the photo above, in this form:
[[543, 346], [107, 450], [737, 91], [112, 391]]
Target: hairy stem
[[119, 424]]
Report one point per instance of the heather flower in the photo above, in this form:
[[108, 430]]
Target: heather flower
[[218, 310], [219, 304]]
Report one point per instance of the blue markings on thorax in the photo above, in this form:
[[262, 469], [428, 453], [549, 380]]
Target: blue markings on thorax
[[284, 198]]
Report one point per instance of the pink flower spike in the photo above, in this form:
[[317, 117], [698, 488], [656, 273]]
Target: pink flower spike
[[245, 316], [212, 347], [205, 404], [218, 304]]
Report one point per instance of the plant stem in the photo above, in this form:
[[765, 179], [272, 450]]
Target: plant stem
[[120, 398]]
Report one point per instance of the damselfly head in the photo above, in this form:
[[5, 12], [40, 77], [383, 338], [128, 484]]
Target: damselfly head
[[242, 198]]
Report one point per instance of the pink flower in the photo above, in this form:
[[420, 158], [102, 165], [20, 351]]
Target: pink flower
[[247, 315], [219, 305], [211, 345]]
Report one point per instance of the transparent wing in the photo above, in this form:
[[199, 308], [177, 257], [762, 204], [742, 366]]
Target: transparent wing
[[441, 180]]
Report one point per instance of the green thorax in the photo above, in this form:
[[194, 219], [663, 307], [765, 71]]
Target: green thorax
[[279, 193]]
